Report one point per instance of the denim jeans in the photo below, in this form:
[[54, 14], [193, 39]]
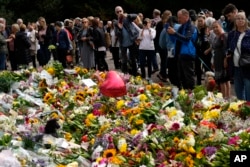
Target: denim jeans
[[241, 85], [2, 61]]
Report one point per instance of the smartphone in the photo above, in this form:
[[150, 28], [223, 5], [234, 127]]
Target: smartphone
[[166, 25]]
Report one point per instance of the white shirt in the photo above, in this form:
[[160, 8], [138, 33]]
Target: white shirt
[[147, 39], [237, 50]]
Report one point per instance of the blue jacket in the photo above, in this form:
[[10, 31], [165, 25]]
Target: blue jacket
[[186, 37], [233, 37], [165, 40]]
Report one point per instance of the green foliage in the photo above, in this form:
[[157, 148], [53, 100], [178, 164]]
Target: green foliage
[[7, 78]]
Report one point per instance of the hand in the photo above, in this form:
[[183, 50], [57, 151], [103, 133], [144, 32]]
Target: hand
[[84, 38], [170, 30]]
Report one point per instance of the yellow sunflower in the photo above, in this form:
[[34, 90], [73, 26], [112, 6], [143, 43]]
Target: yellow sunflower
[[85, 71], [109, 153], [48, 97]]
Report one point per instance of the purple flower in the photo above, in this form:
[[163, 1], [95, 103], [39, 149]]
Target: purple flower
[[160, 156], [209, 151]]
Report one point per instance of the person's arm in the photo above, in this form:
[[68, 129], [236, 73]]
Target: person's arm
[[182, 37]]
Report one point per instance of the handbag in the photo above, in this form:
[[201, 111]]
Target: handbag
[[244, 60]]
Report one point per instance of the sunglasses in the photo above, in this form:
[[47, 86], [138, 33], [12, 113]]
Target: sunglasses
[[119, 11]]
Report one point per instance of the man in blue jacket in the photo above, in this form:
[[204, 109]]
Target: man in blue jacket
[[185, 51]]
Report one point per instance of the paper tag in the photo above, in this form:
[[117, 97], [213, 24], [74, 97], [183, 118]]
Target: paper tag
[[88, 82]]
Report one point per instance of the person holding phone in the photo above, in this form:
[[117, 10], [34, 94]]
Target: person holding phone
[[127, 33], [147, 48]]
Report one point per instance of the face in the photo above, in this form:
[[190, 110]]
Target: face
[[85, 23], [200, 22], [42, 22], [118, 10], [182, 19], [217, 28], [240, 21], [230, 16]]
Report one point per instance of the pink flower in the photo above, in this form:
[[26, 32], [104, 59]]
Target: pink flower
[[233, 140]]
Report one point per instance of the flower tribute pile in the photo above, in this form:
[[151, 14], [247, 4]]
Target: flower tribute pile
[[52, 117]]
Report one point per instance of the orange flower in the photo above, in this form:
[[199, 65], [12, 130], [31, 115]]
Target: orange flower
[[208, 124]]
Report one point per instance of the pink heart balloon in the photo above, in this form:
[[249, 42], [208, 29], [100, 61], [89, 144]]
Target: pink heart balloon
[[113, 86]]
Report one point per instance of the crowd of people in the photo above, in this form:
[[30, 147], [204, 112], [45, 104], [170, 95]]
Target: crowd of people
[[188, 44]]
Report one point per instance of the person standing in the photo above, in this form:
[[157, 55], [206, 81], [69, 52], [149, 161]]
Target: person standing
[[239, 44], [33, 42], [146, 48], [3, 47], [45, 36], [185, 50], [62, 42], [127, 34], [22, 45], [86, 45], [100, 46], [204, 55], [115, 46], [219, 46]]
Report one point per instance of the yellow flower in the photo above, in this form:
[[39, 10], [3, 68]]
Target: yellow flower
[[54, 115], [134, 132], [213, 114], [103, 128], [67, 136], [176, 140], [78, 97], [123, 148], [109, 153], [60, 165], [234, 106], [116, 160], [189, 161], [148, 87], [143, 97], [199, 155], [48, 97], [33, 120], [139, 121], [85, 71], [63, 83], [172, 113], [120, 104], [51, 71], [77, 69], [182, 92]]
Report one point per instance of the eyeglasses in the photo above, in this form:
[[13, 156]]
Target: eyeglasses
[[119, 11]]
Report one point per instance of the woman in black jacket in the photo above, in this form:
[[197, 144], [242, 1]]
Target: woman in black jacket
[[100, 46], [22, 45]]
